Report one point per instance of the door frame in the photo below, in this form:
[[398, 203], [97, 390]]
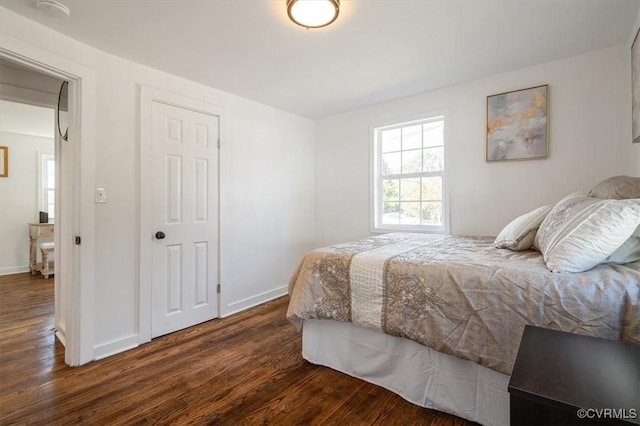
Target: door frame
[[148, 95], [75, 264]]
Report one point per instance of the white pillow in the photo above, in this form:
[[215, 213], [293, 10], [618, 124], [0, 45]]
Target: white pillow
[[626, 253], [581, 232], [520, 232]]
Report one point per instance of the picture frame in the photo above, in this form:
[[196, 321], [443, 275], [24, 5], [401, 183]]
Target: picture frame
[[517, 125], [4, 161], [635, 88]]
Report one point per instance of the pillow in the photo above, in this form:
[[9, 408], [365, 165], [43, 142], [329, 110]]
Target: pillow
[[617, 188], [626, 253], [520, 232], [581, 232]]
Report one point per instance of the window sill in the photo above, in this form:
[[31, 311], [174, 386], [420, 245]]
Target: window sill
[[388, 230]]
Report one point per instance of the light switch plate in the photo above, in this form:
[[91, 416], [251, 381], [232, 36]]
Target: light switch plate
[[101, 195]]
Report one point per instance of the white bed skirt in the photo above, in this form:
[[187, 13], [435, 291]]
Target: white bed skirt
[[420, 375]]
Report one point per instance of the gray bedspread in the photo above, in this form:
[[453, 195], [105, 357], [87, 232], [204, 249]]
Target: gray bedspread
[[460, 295]]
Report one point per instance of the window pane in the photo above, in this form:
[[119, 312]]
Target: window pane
[[50, 171], [50, 210], [412, 137], [390, 164], [390, 140], [412, 161], [432, 188], [432, 213], [50, 197], [410, 214], [410, 189], [391, 213], [433, 159], [391, 190], [433, 134]]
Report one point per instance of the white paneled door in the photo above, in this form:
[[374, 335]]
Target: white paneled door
[[185, 218]]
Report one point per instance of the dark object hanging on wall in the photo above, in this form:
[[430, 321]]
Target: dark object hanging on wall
[[63, 110], [44, 217]]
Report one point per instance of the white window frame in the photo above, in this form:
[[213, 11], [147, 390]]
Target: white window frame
[[43, 204], [376, 187]]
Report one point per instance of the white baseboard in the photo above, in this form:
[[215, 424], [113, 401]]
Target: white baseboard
[[61, 338], [14, 270], [114, 347], [250, 302], [111, 348]]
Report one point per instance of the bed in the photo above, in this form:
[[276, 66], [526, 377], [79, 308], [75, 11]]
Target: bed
[[438, 319]]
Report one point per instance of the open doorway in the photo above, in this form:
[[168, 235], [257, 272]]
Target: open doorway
[[28, 137], [75, 211]]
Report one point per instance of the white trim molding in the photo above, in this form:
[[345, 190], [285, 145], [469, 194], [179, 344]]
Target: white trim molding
[[111, 348], [250, 302], [14, 270]]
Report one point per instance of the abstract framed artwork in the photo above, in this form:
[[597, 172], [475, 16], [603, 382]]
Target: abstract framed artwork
[[4, 161], [517, 125], [635, 88]]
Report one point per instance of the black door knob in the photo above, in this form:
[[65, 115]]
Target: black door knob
[[160, 235]]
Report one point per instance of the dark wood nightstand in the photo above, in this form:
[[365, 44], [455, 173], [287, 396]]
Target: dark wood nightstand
[[568, 379]]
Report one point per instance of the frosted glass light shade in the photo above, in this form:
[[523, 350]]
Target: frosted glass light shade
[[313, 13], [53, 8]]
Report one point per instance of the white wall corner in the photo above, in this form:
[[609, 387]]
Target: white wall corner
[[636, 27], [635, 31]]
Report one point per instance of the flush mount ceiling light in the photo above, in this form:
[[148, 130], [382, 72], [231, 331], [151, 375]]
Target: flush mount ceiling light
[[53, 8], [313, 13]]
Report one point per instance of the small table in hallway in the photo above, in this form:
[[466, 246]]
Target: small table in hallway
[[37, 231]]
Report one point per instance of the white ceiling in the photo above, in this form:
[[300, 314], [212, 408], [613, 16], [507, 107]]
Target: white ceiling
[[377, 50]]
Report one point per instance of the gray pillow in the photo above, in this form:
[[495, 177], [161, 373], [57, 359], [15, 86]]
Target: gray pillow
[[617, 188]]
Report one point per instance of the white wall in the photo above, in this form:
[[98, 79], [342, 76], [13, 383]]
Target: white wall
[[19, 197], [590, 133], [266, 186]]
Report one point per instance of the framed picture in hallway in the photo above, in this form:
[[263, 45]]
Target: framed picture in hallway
[[4, 161]]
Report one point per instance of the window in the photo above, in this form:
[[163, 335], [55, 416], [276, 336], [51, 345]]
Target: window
[[408, 175], [47, 185]]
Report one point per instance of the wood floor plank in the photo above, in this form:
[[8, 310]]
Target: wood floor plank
[[246, 369]]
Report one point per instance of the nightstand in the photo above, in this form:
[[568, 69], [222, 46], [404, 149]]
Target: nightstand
[[568, 379]]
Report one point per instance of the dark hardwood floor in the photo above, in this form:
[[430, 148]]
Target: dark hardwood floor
[[244, 369]]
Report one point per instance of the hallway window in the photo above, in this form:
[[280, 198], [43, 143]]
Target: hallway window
[[47, 185]]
